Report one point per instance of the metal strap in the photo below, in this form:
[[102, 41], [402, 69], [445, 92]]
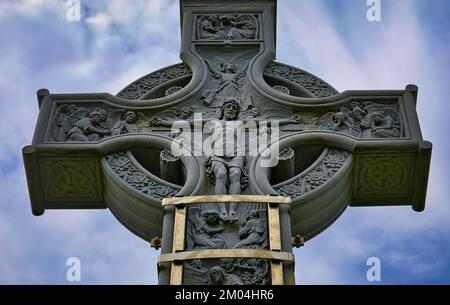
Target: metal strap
[[226, 253], [176, 273], [273, 213], [178, 255], [226, 198]]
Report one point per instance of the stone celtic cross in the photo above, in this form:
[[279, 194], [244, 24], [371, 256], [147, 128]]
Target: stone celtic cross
[[229, 159]]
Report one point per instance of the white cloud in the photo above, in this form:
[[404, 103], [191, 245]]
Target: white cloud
[[101, 61], [31, 8], [100, 21], [83, 69], [154, 6], [396, 56]]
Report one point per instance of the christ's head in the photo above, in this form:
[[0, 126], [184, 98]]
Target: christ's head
[[230, 110]]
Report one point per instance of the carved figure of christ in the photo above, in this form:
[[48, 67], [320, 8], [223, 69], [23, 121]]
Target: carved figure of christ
[[226, 150]]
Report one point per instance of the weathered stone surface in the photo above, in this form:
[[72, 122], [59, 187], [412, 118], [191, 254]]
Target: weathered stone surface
[[353, 148]]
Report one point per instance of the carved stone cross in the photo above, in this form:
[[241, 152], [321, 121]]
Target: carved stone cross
[[231, 123]]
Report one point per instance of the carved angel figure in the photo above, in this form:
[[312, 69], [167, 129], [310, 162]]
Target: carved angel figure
[[339, 121], [239, 26], [384, 126], [228, 86], [366, 120], [66, 117], [123, 122], [126, 124], [382, 121], [168, 117], [73, 123], [211, 28], [345, 120], [204, 229], [227, 27], [253, 232], [89, 128], [228, 78]]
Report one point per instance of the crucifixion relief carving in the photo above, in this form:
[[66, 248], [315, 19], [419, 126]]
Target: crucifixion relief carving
[[228, 150]]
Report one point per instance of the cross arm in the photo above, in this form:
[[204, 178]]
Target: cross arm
[[369, 170]]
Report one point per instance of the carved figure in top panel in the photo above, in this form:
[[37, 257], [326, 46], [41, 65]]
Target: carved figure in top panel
[[211, 28], [239, 27], [227, 27]]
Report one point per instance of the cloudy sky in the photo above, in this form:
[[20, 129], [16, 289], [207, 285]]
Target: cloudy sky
[[118, 41]]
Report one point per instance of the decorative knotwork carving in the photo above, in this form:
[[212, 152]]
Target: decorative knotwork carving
[[282, 89], [141, 87], [286, 154], [149, 82], [383, 176], [226, 101], [173, 90], [167, 156], [72, 178], [313, 84], [317, 176], [128, 172], [227, 27]]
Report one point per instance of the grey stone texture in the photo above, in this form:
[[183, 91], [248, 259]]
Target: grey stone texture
[[355, 148]]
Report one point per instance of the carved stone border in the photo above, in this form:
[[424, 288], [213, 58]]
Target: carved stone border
[[322, 170], [314, 210], [150, 82], [253, 18], [127, 169], [141, 87], [311, 83]]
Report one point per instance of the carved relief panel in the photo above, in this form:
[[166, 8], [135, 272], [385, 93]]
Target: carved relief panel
[[227, 27]]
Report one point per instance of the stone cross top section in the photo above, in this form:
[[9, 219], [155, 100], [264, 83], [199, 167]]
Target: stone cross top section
[[228, 159]]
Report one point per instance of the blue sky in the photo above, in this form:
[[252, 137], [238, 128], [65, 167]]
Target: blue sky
[[118, 41]]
